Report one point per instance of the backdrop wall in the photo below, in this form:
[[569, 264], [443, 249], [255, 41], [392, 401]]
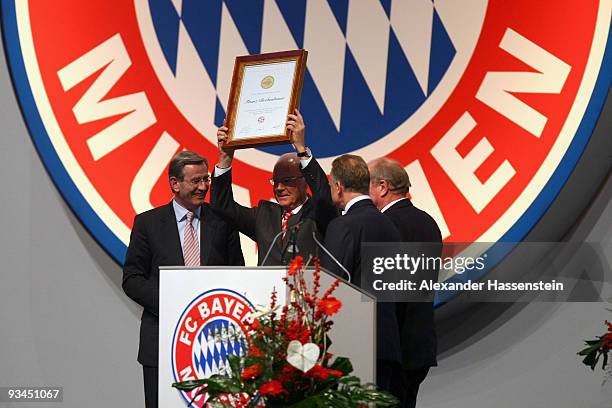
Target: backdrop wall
[[64, 320]]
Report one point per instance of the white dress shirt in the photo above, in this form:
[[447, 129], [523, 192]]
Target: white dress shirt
[[181, 220]]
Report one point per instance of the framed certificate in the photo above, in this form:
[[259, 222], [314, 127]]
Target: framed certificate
[[265, 89]]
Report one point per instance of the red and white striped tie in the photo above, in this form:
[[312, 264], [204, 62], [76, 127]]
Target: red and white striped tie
[[191, 246], [285, 222]]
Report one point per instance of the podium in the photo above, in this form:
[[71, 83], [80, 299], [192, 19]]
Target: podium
[[203, 312]]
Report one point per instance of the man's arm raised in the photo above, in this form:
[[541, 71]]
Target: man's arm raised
[[313, 173], [221, 194]]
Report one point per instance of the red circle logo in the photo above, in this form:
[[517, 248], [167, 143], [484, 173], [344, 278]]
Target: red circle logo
[[212, 326], [490, 111]]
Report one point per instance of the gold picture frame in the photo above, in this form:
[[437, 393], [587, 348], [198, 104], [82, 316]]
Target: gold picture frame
[[265, 89]]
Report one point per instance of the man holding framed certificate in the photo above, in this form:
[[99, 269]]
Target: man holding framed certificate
[[283, 229]]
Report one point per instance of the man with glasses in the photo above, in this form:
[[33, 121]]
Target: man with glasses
[[285, 228], [183, 232]]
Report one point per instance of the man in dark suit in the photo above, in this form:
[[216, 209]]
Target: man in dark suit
[[276, 227], [184, 232], [389, 185], [362, 222]]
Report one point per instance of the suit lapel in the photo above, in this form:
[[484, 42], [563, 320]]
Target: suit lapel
[[207, 234], [277, 224], [170, 234]]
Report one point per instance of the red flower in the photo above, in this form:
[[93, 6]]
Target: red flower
[[317, 278], [607, 342], [331, 289], [272, 388], [287, 374], [329, 305], [318, 372], [607, 339], [255, 351], [251, 372], [296, 264], [255, 325]]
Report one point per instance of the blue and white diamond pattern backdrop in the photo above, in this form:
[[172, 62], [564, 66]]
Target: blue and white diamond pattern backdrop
[[372, 63]]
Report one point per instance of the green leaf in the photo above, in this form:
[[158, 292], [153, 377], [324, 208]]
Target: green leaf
[[342, 364], [350, 380], [328, 341], [350, 394], [214, 386], [591, 359], [234, 362], [218, 384], [313, 401], [189, 385], [588, 350]]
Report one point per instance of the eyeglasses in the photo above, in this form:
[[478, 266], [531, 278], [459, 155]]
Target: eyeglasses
[[197, 180], [287, 181]]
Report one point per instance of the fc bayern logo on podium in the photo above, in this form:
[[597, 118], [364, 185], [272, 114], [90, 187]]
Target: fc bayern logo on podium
[[212, 327], [488, 105]]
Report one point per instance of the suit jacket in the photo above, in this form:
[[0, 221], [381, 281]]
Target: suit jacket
[[364, 223], [416, 319], [263, 222], [155, 242]]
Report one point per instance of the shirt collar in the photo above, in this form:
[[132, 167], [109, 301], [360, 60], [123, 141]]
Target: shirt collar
[[386, 207], [353, 201], [181, 212], [298, 208]]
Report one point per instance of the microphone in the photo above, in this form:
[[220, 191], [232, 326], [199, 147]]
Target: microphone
[[293, 237], [293, 229], [292, 243], [314, 236], [270, 249]]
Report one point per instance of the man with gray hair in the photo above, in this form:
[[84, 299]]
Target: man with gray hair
[[389, 185], [183, 232]]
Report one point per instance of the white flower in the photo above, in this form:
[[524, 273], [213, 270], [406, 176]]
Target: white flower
[[302, 357]]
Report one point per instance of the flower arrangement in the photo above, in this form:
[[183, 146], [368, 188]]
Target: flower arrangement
[[287, 363], [597, 348]]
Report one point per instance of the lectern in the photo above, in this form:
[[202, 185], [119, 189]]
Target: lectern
[[203, 314]]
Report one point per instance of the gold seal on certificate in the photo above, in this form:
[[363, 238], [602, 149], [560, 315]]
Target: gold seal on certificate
[[267, 82], [265, 89]]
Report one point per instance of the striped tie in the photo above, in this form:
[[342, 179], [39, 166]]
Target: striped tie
[[191, 246], [285, 222]]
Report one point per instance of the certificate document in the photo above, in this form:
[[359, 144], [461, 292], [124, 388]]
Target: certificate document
[[265, 89], [264, 100]]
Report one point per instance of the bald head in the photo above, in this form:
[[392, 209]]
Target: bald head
[[288, 165]]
